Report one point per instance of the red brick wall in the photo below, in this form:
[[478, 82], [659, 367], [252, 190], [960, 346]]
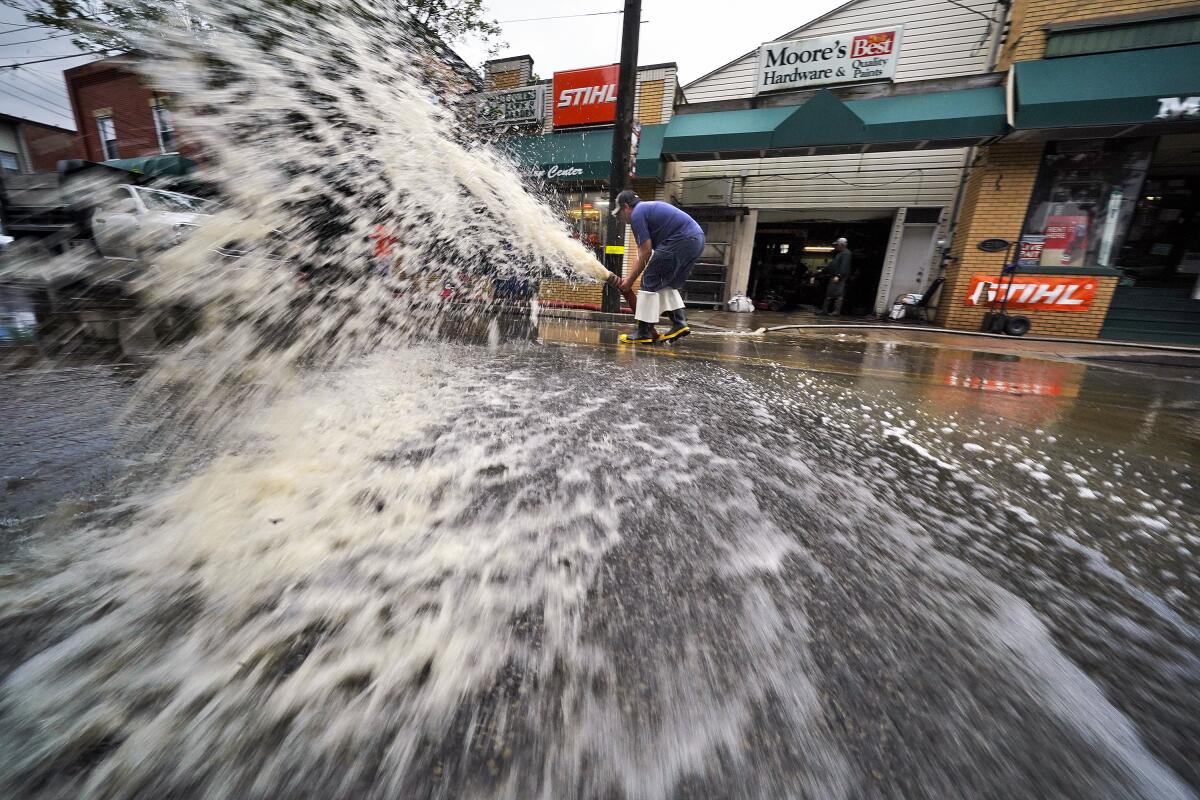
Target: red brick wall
[[105, 84], [48, 146]]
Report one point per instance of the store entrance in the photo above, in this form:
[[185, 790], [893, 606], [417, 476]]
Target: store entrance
[[1159, 296], [786, 270], [1162, 247]]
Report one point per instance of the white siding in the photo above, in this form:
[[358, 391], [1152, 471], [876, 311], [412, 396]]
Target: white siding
[[856, 181], [940, 40]]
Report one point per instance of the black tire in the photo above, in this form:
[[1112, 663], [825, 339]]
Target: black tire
[[1017, 326], [986, 325]]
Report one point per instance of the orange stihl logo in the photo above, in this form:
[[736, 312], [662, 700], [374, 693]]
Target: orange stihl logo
[[1034, 292]]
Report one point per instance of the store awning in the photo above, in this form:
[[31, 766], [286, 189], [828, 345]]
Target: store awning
[[961, 114], [1125, 88], [723, 131], [576, 156], [168, 165], [961, 117]]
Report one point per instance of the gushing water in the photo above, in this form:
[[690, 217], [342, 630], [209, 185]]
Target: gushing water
[[382, 564]]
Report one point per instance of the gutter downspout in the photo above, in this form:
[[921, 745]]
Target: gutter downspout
[[998, 24]]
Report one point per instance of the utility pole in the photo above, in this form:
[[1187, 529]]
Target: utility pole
[[622, 165]]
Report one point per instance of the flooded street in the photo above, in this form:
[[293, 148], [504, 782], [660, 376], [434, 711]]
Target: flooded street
[[558, 569], [352, 533]]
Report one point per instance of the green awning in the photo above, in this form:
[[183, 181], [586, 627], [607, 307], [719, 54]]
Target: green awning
[[1104, 89], [729, 131], [824, 120], [168, 165], [962, 114], [578, 156]]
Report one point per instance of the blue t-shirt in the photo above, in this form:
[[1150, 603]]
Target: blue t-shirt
[[661, 223]]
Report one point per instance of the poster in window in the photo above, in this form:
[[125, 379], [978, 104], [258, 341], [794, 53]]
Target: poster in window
[[1029, 253], [1066, 241]]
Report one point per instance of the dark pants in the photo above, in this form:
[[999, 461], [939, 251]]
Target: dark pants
[[672, 263], [834, 296]]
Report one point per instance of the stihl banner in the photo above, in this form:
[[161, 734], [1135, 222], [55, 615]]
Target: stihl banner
[[586, 96], [1039, 292]]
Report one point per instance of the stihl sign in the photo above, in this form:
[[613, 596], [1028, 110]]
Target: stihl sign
[[1034, 292], [586, 96]]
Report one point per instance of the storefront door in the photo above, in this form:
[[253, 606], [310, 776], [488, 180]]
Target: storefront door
[[914, 260], [1159, 296]]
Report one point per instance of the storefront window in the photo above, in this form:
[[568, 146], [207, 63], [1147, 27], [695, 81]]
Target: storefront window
[[1162, 247], [586, 212], [1083, 201]]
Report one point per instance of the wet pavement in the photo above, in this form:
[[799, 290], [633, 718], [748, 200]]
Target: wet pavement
[[806, 566]]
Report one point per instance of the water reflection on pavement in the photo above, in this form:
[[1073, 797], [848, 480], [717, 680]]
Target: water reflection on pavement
[[729, 568]]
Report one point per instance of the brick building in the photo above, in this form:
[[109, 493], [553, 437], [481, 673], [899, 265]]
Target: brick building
[[569, 147], [27, 146], [116, 114], [858, 123], [1098, 179]]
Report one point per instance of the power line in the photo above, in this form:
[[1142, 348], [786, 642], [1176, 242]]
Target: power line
[[34, 41], [988, 17], [52, 100], [561, 16], [56, 83], [56, 111], [16, 27], [56, 58]]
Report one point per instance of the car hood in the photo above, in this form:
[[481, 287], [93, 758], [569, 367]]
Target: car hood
[[178, 217]]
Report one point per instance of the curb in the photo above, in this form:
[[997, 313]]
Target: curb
[[1174, 348], [586, 315], [582, 314]]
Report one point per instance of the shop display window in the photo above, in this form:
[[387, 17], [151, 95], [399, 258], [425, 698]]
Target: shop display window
[[587, 213], [1083, 201]]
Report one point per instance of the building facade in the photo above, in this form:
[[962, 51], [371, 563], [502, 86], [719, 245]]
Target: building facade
[[858, 124], [27, 146], [560, 132], [1097, 181], [116, 114]]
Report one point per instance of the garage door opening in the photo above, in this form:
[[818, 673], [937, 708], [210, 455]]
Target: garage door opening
[[786, 270]]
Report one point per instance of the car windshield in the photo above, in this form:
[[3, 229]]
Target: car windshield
[[158, 200]]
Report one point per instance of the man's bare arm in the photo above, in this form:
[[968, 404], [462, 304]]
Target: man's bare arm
[[645, 250]]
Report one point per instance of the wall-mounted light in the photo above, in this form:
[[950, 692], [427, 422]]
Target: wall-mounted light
[[818, 248]]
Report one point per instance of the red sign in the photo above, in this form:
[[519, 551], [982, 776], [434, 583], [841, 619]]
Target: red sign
[[1066, 240], [873, 44], [1040, 292], [586, 96]]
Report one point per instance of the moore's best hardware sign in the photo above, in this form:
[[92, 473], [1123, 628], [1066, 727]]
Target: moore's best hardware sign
[[841, 58], [513, 106]]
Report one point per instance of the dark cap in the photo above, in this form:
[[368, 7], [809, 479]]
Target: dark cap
[[626, 198]]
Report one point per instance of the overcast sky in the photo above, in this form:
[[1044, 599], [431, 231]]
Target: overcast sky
[[672, 30], [698, 36], [36, 92]]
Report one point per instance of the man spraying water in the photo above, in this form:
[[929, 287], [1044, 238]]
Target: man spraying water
[[669, 244]]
